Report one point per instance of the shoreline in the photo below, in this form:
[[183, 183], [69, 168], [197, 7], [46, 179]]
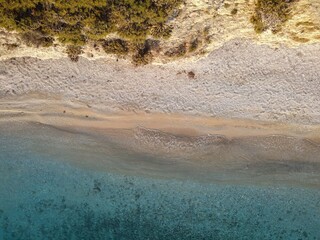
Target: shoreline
[[165, 146], [235, 114], [256, 157], [71, 114]]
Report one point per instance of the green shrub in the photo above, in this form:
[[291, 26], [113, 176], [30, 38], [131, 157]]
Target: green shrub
[[142, 53], [37, 39], [74, 52], [115, 46], [75, 22], [10, 46], [194, 45], [178, 51], [271, 14]]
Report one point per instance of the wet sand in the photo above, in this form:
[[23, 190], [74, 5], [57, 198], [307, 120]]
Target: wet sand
[[170, 145]]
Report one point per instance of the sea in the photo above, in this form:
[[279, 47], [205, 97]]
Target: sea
[[59, 184]]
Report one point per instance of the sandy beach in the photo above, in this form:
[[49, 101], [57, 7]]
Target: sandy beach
[[241, 80], [162, 145], [244, 99]]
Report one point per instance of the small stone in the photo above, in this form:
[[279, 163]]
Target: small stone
[[191, 75]]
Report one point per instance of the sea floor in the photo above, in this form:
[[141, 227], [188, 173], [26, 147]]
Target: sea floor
[[57, 184]]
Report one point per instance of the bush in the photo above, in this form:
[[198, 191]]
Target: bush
[[271, 14], [74, 52], [75, 22], [115, 46], [142, 55], [178, 51], [37, 39], [10, 46], [194, 45]]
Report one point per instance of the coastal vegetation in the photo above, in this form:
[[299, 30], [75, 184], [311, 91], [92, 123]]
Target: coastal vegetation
[[74, 23], [138, 29], [271, 14]]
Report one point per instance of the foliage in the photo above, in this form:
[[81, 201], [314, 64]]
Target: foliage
[[142, 54], [178, 51], [194, 45], [74, 52], [75, 22], [271, 14], [115, 46], [36, 39]]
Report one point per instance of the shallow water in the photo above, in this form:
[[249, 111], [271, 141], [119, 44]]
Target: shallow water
[[62, 185]]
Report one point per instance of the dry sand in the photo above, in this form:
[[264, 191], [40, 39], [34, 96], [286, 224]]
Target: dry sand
[[241, 80]]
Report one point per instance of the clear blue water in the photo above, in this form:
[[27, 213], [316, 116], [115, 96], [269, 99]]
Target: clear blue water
[[44, 195]]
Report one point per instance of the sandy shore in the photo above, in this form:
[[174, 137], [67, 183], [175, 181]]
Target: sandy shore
[[165, 145], [241, 80], [246, 106], [62, 113]]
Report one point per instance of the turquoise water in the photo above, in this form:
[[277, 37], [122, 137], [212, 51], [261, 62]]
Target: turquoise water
[[45, 195]]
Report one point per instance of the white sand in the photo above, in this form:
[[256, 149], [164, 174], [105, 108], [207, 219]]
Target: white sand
[[240, 80]]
